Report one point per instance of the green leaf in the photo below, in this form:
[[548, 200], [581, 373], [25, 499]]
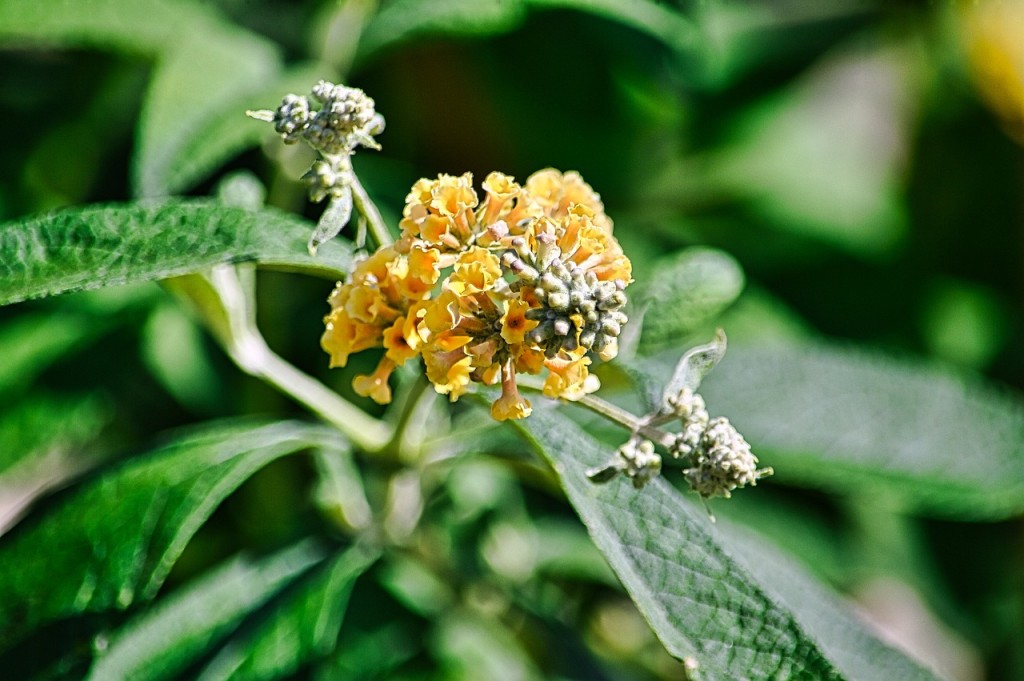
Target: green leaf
[[704, 601], [912, 435], [402, 20], [208, 72], [31, 343], [120, 532], [160, 643], [824, 158], [849, 645], [224, 131], [205, 79], [141, 26], [688, 290], [692, 367], [82, 248], [301, 628], [42, 427], [658, 21]]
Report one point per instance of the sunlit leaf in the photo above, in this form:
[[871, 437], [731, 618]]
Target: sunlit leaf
[[160, 643], [706, 604], [141, 26], [208, 78], [120, 532], [80, 248], [824, 158]]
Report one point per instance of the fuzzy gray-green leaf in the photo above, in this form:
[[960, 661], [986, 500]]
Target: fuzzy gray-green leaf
[[83, 248], [914, 436], [702, 601]]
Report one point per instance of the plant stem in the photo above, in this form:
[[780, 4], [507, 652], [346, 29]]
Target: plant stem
[[231, 317], [365, 205], [629, 421]]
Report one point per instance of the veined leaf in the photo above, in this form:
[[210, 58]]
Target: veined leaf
[[915, 436], [164, 640], [81, 248], [120, 532], [302, 627], [688, 579]]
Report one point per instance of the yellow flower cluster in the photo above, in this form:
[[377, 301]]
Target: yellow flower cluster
[[528, 278]]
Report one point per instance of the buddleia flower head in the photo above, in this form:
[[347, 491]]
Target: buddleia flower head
[[484, 286]]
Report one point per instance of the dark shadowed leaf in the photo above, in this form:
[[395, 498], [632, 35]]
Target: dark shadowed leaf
[[120, 532], [163, 641], [301, 627]]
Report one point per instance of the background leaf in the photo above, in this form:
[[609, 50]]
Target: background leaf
[[145, 26], [701, 601], [82, 248], [121, 531], [203, 79], [914, 436]]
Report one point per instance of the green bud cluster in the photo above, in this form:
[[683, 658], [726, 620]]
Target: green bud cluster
[[719, 459], [325, 179], [689, 408], [345, 120], [638, 461], [577, 309], [722, 461]]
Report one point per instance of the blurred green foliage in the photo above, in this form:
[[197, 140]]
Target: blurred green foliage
[[837, 184]]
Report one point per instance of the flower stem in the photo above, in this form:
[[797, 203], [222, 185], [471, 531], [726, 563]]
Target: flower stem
[[629, 421], [224, 299], [365, 205]]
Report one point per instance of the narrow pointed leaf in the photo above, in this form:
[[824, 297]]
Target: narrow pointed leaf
[[301, 627], [704, 603], [334, 219], [83, 248], [121, 531], [163, 641]]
